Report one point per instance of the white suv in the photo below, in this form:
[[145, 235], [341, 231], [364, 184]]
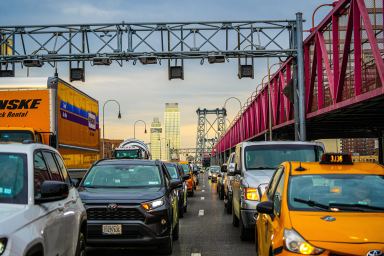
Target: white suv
[[40, 210]]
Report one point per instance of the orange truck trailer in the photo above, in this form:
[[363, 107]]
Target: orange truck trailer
[[55, 113]]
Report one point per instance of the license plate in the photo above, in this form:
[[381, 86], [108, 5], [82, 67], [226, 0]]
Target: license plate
[[112, 230]]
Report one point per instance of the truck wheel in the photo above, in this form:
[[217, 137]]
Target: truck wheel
[[81, 245], [235, 220], [245, 233]]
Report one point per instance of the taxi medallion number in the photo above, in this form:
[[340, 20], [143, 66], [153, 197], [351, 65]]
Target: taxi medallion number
[[112, 230]]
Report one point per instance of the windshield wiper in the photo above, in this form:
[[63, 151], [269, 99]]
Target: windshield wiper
[[261, 168], [358, 207], [312, 203]]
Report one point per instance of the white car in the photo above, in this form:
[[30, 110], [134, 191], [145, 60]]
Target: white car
[[40, 210]]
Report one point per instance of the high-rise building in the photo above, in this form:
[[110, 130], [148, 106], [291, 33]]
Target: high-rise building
[[155, 138], [171, 128]]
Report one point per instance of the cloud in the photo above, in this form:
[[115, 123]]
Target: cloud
[[86, 10]]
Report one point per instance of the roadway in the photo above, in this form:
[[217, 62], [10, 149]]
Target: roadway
[[205, 230]]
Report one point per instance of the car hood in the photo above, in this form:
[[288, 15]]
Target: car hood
[[341, 227], [256, 177], [121, 194], [11, 213]]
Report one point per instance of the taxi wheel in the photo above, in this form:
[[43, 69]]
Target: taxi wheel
[[175, 233], [235, 220]]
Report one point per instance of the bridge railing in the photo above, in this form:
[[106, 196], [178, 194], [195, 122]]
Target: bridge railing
[[344, 65]]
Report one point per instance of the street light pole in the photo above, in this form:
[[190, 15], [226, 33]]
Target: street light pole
[[118, 116], [134, 127]]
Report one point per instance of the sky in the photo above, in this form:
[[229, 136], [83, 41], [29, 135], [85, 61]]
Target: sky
[[143, 90]]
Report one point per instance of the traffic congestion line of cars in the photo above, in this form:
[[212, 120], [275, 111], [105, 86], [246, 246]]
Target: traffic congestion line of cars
[[118, 203], [294, 199]]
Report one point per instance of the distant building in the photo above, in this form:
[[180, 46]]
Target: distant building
[[171, 128], [109, 146], [359, 146], [155, 138]]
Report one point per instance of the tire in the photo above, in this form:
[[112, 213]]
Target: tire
[[256, 243], [235, 220], [221, 194], [245, 233], [175, 233], [81, 249], [229, 206], [191, 193], [181, 212], [167, 247]]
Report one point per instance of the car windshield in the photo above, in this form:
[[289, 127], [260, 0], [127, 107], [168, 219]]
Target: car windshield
[[13, 178], [172, 170], [128, 154], [15, 136], [336, 192], [186, 168], [271, 156], [214, 168], [123, 176]]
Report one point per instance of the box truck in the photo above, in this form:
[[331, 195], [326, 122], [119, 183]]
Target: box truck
[[52, 112]]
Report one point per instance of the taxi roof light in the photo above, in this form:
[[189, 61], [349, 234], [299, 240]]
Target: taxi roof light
[[336, 158]]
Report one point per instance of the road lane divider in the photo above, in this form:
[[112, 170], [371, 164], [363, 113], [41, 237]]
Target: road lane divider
[[201, 213]]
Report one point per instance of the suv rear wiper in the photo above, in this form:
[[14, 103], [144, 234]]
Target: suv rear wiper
[[312, 203], [359, 207]]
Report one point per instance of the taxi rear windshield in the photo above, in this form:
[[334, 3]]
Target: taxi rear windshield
[[271, 156], [334, 192], [123, 176], [13, 178]]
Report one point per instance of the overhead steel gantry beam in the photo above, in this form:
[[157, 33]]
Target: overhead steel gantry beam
[[130, 41]]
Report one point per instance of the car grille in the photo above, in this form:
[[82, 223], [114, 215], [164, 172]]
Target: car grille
[[115, 214]]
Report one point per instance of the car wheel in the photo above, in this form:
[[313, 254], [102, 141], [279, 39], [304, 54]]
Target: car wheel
[[245, 233], [221, 195], [175, 233], [185, 207], [167, 247], [181, 212], [81, 249], [235, 220], [229, 206]]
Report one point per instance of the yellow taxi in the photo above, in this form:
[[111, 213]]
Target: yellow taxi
[[335, 207]]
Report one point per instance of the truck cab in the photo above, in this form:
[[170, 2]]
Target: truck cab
[[255, 163], [21, 134]]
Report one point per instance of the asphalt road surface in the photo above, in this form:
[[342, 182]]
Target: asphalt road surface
[[205, 230]]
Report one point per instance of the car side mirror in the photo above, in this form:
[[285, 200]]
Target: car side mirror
[[224, 168], [53, 191], [186, 177], [175, 184], [265, 207]]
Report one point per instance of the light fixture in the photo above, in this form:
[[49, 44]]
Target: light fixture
[[106, 61], [38, 63], [77, 74], [148, 60], [245, 71], [216, 58], [176, 72]]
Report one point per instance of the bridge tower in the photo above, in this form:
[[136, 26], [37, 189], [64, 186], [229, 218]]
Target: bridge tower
[[208, 132]]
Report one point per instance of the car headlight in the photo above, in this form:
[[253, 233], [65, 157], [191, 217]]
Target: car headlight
[[251, 194], [295, 243], [148, 206], [3, 244]]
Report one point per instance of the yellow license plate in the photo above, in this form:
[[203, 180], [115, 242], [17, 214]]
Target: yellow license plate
[[112, 230]]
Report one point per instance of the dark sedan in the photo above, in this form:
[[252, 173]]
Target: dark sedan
[[130, 203]]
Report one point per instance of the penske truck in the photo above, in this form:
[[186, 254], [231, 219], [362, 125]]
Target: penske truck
[[52, 112]]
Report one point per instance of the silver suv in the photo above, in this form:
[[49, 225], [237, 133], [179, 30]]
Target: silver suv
[[40, 210], [255, 163]]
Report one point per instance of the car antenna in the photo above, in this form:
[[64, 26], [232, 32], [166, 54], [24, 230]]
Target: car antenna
[[300, 168]]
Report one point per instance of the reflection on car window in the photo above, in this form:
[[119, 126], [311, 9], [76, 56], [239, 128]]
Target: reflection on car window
[[172, 171], [352, 190], [186, 168], [124, 176], [13, 178], [270, 156]]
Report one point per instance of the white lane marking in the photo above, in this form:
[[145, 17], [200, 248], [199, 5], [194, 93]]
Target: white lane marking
[[201, 213], [202, 198], [203, 190], [195, 254]]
